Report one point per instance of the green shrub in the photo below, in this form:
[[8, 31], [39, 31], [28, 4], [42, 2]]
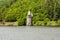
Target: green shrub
[[46, 20], [52, 23], [58, 22], [39, 23], [0, 18], [10, 18], [21, 22]]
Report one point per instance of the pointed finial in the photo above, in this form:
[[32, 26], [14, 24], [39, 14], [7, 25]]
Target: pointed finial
[[29, 12]]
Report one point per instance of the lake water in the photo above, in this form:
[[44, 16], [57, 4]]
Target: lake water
[[29, 33]]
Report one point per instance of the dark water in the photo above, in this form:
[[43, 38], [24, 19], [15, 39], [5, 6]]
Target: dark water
[[29, 33]]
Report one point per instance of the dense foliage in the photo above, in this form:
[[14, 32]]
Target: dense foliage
[[42, 10]]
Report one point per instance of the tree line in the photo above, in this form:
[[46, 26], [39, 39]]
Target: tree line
[[43, 11]]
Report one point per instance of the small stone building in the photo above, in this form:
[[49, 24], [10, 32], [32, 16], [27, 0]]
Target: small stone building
[[29, 19]]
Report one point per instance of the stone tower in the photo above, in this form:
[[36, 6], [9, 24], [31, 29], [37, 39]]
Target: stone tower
[[29, 19]]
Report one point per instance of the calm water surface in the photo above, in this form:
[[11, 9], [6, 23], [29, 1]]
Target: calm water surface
[[29, 33]]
